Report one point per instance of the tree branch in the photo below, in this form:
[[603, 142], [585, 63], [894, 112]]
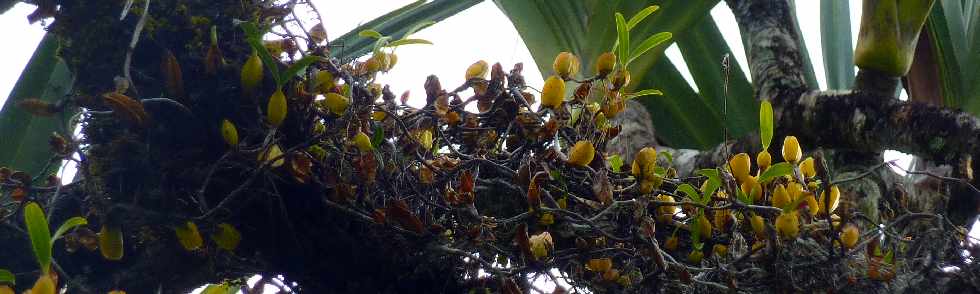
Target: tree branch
[[859, 120]]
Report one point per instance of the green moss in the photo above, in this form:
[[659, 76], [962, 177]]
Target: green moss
[[198, 20], [937, 143]]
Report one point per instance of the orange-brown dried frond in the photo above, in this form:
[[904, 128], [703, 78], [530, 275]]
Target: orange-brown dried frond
[[398, 211], [126, 108], [38, 107], [170, 68]]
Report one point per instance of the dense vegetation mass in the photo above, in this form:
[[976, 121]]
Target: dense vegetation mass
[[215, 155]]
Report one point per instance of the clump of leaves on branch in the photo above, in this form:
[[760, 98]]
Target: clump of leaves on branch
[[318, 149]]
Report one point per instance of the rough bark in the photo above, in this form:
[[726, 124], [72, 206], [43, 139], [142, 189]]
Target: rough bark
[[866, 120]]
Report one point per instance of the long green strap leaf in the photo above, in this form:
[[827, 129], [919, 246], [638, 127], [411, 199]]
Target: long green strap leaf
[[639, 16], [409, 42], [649, 43], [972, 76], [396, 24], [946, 29], [297, 67], [23, 136], [808, 74], [835, 34], [623, 46]]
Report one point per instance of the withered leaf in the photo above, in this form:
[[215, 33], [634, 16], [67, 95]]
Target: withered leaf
[[170, 69], [510, 287], [126, 108], [37, 107], [300, 166], [523, 241], [466, 182], [398, 211], [603, 188]]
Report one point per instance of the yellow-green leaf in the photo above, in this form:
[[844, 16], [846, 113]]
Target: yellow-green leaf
[[68, 225], [227, 237], [642, 14], [623, 47], [642, 93], [219, 289], [765, 124], [7, 277], [111, 242], [408, 42], [370, 34], [690, 192], [37, 229], [419, 26], [378, 136], [299, 66], [714, 180], [776, 170], [646, 45], [616, 162], [273, 153], [189, 236]]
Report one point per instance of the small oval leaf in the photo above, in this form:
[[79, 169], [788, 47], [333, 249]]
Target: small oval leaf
[[615, 162], [227, 237], [7, 277], [188, 236], [68, 225], [370, 34], [714, 181], [775, 171], [690, 192], [378, 136]]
